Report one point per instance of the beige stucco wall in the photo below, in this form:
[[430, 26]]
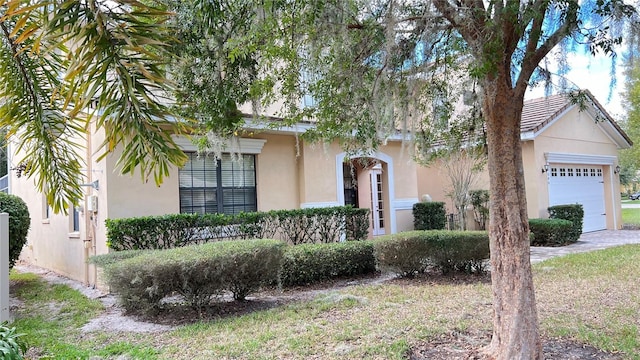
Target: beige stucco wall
[[277, 182], [433, 180], [51, 242], [318, 174]]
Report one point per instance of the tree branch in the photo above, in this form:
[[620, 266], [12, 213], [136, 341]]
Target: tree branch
[[533, 58], [470, 29]]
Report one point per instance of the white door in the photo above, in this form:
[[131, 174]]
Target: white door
[[579, 184], [377, 202]]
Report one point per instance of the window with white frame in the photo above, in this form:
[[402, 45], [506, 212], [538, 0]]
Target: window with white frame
[[226, 185], [74, 222]]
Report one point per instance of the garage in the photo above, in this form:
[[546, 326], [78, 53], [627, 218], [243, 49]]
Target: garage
[[580, 184]]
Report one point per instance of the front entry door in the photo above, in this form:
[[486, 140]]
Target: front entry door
[[377, 202]]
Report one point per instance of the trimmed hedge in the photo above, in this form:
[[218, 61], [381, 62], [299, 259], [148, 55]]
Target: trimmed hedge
[[429, 216], [19, 223], [198, 272], [413, 252], [309, 263], [313, 225], [573, 213], [551, 232]]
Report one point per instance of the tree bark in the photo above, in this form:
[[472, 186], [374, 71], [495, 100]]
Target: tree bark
[[515, 319]]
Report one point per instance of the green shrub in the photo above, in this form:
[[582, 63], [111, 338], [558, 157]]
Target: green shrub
[[404, 253], [166, 231], [429, 216], [309, 263], [314, 225], [550, 232], [11, 346], [19, 222], [413, 252], [573, 213], [480, 203], [197, 272], [459, 250], [114, 257]]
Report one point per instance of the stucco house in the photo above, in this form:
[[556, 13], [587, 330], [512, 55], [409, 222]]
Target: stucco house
[[570, 155], [280, 171], [277, 171]]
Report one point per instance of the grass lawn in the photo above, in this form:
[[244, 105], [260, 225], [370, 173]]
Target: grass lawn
[[631, 216], [591, 298]]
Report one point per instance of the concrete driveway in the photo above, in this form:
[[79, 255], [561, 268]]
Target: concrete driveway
[[596, 240]]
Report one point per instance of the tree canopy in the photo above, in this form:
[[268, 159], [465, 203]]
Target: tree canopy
[[373, 67]]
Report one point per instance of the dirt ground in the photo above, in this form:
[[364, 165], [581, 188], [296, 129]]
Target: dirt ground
[[452, 346], [465, 346]]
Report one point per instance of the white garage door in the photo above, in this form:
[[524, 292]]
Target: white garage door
[[579, 184]]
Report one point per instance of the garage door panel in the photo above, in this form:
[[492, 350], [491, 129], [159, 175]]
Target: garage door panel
[[579, 185]]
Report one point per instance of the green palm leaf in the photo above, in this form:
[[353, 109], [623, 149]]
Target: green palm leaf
[[67, 64]]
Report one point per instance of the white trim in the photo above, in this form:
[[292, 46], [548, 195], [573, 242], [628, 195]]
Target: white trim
[[301, 128], [530, 135], [297, 128], [319, 204], [613, 198], [405, 204], [375, 200], [390, 178], [241, 146], [567, 158]]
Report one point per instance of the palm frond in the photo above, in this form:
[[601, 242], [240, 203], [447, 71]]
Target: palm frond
[[66, 63]]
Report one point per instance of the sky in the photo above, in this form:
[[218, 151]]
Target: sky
[[593, 73]]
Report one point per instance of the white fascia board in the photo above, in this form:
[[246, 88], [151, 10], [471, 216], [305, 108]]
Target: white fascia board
[[568, 158], [240, 146], [298, 128], [301, 128], [531, 135], [614, 134]]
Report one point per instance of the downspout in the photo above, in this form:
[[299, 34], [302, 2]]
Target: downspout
[[614, 202], [88, 239]]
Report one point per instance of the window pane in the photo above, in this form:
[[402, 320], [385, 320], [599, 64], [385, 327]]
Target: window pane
[[199, 185]]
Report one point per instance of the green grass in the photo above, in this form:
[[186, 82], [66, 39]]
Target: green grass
[[51, 317], [592, 298], [631, 216]]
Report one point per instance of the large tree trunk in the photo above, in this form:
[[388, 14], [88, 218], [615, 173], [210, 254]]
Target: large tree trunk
[[515, 321]]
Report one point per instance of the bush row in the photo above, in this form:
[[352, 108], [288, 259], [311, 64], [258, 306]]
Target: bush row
[[573, 213], [563, 227], [19, 223], [309, 263], [550, 232], [314, 225], [414, 252], [200, 273], [429, 216]]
